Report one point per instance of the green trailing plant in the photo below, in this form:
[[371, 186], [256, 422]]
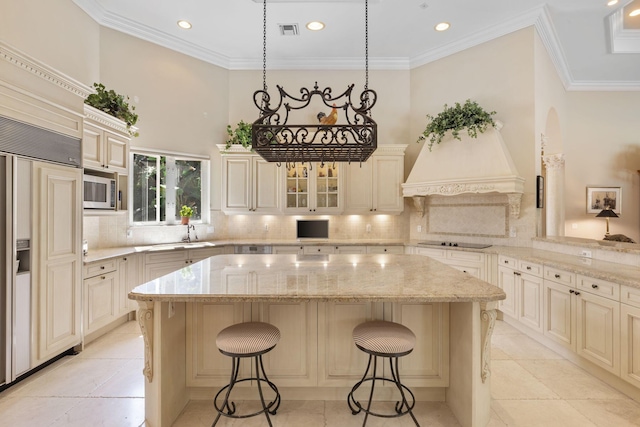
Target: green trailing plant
[[240, 135], [469, 115], [186, 211], [113, 104]]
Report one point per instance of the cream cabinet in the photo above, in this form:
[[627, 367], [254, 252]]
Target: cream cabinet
[[159, 263], [288, 250], [559, 318], [130, 276], [101, 283], [630, 335], [522, 282], [250, 185], [57, 269], [374, 186], [473, 263], [385, 249], [313, 188], [105, 142]]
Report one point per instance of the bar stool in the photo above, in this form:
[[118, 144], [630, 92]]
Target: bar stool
[[390, 340], [249, 339]]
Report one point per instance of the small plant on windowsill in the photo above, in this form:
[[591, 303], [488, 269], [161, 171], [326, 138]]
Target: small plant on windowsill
[[113, 104], [186, 212], [469, 115], [241, 135]]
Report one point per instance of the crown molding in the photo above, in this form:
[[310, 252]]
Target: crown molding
[[45, 72], [547, 33], [321, 64]]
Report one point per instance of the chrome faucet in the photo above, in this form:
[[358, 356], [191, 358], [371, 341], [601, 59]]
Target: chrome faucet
[[187, 239]]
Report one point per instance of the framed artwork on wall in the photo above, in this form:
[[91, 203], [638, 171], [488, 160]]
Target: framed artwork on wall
[[599, 198]]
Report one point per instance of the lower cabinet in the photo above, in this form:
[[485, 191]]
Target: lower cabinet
[[598, 330], [630, 343], [473, 263], [524, 291], [559, 314], [101, 282], [130, 276]]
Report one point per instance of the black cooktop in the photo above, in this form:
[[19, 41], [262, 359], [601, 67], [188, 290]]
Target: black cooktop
[[455, 244]]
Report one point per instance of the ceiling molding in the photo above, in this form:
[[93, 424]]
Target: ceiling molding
[[610, 86], [397, 64], [549, 37]]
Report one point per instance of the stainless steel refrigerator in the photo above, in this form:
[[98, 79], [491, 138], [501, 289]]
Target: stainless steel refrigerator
[[20, 145]]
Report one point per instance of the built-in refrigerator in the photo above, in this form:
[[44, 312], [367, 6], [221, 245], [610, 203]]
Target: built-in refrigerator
[[21, 145]]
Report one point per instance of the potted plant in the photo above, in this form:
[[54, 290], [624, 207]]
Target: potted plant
[[186, 212], [113, 104], [469, 115], [240, 135]]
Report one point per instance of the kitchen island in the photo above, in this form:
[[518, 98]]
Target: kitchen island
[[316, 300]]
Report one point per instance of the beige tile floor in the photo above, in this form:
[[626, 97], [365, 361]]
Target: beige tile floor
[[103, 386]]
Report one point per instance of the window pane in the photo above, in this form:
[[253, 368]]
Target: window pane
[[189, 187], [144, 188], [163, 188]]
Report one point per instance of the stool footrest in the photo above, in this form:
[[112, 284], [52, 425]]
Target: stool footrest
[[356, 407], [231, 407]]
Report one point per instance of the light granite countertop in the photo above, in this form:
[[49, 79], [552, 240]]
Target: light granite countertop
[[345, 278]]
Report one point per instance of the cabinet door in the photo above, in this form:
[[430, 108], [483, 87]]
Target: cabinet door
[[530, 301], [293, 363], [507, 281], [295, 250], [598, 332], [236, 196], [100, 301], [92, 147], [129, 277], [428, 364], [327, 188], [116, 155], [559, 314], [340, 362], [57, 242], [265, 186], [359, 188], [388, 174], [298, 187], [630, 344]]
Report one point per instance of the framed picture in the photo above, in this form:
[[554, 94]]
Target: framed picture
[[598, 198], [539, 192]]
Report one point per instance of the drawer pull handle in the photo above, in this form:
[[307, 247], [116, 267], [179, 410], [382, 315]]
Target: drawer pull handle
[[102, 277], [102, 267], [571, 291], [528, 267], [577, 293], [124, 259], [557, 276], [506, 261], [517, 273], [594, 286]]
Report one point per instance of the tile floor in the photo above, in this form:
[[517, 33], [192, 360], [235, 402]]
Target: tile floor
[[103, 386]]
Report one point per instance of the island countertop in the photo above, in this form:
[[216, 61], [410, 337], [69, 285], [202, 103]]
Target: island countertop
[[358, 277]]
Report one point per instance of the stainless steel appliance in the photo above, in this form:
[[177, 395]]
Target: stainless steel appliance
[[99, 192], [20, 145], [454, 244]]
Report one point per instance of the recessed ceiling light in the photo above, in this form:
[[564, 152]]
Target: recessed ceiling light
[[612, 2], [443, 26], [635, 12], [315, 26], [185, 25]]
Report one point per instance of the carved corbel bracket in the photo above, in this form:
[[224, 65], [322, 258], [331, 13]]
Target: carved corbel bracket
[[420, 203], [488, 316], [515, 200], [145, 319]]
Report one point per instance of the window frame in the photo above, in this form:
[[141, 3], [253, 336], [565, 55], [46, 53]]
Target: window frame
[[205, 215]]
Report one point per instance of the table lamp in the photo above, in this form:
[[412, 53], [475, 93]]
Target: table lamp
[[607, 213]]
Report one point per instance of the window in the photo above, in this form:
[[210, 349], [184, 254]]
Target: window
[[162, 183]]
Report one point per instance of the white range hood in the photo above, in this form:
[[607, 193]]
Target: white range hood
[[470, 165]]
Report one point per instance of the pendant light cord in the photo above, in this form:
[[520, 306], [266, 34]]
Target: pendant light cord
[[264, 45], [366, 44]]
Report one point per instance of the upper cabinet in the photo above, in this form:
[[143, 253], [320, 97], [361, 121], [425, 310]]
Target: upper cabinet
[[250, 184], [375, 185], [313, 188], [105, 142]]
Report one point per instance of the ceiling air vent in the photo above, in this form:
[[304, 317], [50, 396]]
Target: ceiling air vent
[[289, 29]]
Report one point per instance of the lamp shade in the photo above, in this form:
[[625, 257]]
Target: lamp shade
[[607, 213]]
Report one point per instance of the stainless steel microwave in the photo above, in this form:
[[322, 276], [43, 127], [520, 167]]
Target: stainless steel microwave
[[99, 192]]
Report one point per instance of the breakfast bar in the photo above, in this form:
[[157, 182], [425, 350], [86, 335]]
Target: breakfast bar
[[316, 300]]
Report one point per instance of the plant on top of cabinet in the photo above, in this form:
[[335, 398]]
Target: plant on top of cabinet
[[113, 104], [240, 135], [469, 115], [186, 212]]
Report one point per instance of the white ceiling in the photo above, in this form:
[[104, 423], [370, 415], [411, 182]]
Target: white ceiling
[[580, 35]]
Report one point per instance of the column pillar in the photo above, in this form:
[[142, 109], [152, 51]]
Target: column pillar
[[554, 188]]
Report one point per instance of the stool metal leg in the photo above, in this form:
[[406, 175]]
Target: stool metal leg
[[356, 407], [264, 405], [395, 374], [373, 385], [235, 367], [276, 400]]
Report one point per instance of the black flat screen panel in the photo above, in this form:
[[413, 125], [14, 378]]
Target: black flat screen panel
[[313, 229]]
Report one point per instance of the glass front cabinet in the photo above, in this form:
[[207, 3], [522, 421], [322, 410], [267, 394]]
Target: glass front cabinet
[[313, 188]]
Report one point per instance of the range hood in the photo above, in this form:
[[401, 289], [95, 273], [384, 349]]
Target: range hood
[[470, 165]]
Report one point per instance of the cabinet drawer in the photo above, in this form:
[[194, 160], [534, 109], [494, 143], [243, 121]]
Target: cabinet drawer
[[507, 261], [530, 268], [599, 287], [465, 256], [432, 253], [162, 257], [309, 250], [560, 276], [629, 295], [385, 249], [101, 267], [349, 249]]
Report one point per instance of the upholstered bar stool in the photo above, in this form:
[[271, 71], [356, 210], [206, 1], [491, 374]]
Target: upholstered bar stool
[[388, 340], [249, 339]]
